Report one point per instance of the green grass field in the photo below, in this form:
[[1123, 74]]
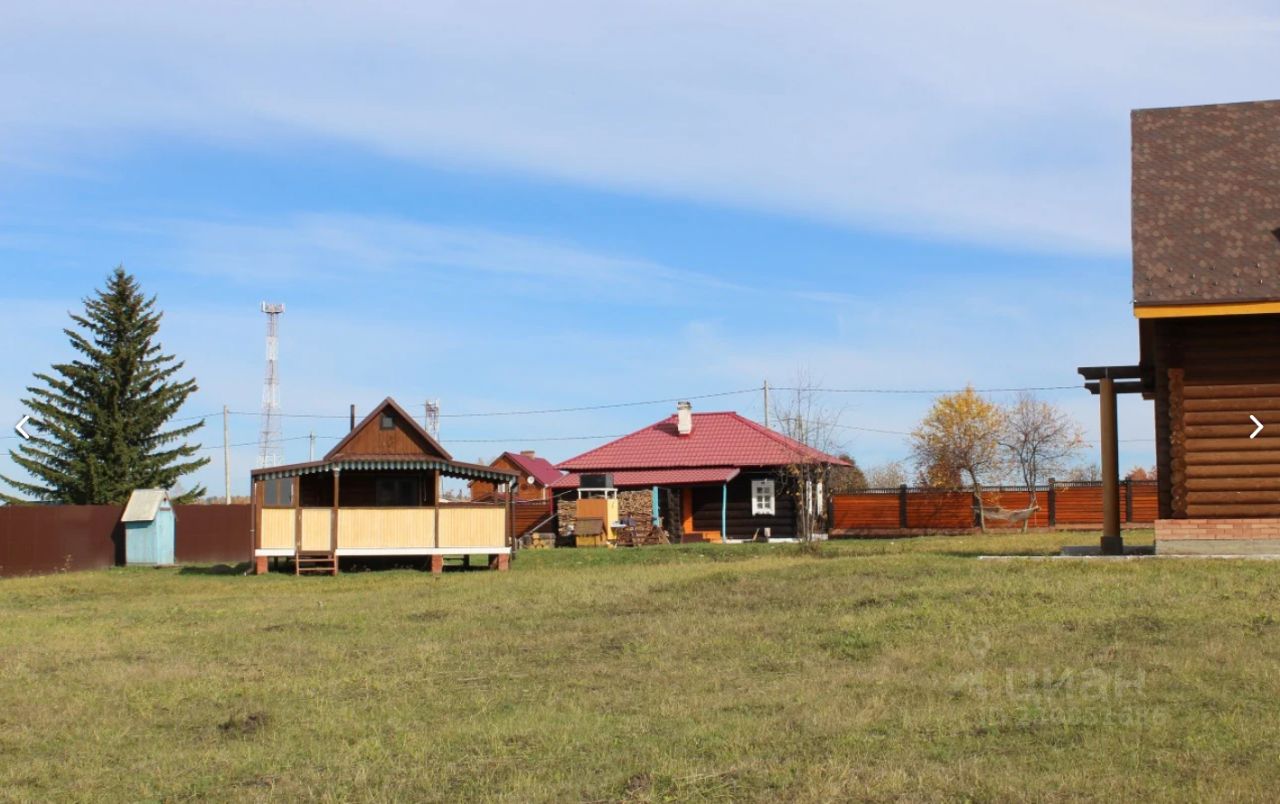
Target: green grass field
[[866, 671]]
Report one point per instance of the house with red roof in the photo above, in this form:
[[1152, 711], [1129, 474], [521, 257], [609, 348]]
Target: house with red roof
[[534, 509], [536, 475], [706, 476]]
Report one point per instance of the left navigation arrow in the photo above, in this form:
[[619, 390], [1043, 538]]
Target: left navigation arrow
[[18, 426]]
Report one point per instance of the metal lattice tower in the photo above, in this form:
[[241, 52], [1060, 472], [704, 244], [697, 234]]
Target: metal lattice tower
[[433, 418], [270, 438]]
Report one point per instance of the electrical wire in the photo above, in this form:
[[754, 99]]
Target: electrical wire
[[925, 390], [686, 398]]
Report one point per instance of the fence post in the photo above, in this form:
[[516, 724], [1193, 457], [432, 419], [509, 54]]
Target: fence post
[[902, 506], [1128, 499], [1053, 503]]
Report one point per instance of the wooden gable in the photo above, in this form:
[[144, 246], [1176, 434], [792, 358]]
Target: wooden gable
[[403, 438]]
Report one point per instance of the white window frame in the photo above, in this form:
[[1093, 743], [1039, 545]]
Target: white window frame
[[759, 507]]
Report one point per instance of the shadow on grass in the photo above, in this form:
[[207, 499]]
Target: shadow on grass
[[217, 569], [423, 564]]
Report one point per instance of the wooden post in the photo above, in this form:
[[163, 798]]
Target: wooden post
[[902, 506], [436, 501], [1177, 483], [255, 499], [1112, 542], [297, 514], [724, 514], [511, 519], [1053, 503], [226, 454], [333, 517], [1128, 499]]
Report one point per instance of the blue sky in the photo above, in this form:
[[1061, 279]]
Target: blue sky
[[508, 209]]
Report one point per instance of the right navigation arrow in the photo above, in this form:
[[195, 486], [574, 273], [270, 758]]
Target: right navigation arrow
[[1260, 426]]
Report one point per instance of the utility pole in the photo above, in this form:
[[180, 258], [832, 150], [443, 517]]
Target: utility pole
[[766, 403], [311, 455], [226, 454]]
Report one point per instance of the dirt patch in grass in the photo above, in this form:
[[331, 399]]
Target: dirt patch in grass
[[244, 724]]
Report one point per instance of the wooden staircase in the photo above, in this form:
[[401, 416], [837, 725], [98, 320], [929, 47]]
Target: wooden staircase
[[315, 563]]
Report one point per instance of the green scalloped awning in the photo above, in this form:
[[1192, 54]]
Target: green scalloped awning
[[444, 467]]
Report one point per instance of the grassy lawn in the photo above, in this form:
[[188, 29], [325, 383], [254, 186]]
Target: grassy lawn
[[868, 671]]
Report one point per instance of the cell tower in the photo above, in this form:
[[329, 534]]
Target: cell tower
[[270, 439], [433, 418]]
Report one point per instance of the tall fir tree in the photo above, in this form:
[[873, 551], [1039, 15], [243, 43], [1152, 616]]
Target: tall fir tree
[[98, 422]]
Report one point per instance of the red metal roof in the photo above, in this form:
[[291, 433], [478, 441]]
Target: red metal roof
[[541, 469], [644, 478], [717, 440]]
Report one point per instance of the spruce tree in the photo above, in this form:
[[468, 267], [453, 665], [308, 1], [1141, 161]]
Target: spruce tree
[[98, 422]]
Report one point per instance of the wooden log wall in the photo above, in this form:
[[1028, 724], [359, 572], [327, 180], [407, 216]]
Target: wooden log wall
[[1215, 373]]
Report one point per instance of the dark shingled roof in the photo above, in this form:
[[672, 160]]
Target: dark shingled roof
[[1206, 204]]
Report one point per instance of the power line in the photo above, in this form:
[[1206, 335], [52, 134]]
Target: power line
[[509, 440], [690, 397], [578, 409], [926, 390]]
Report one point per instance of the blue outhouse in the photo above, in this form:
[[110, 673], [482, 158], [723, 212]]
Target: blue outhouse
[[148, 528]]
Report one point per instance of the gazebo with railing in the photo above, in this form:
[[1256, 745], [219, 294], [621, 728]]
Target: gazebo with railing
[[377, 493]]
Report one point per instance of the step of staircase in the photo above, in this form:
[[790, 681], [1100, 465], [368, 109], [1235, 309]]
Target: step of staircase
[[315, 563]]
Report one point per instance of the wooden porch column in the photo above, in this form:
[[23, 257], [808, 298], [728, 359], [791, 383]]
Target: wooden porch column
[[436, 504], [511, 516], [1112, 541], [333, 517], [296, 484], [724, 514], [255, 498]]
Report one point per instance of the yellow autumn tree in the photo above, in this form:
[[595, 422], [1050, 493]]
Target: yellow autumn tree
[[959, 440]]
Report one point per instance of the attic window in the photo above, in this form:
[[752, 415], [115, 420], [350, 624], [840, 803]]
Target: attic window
[[387, 421]]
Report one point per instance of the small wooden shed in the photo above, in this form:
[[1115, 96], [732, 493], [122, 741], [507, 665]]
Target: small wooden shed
[[148, 528]]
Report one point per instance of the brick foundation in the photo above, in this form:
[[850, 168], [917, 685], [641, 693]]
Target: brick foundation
[[1187, 529]]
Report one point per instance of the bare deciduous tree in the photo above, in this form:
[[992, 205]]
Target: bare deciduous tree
[[807, 478], [1084, 473], [887, 475], [1039, 439]]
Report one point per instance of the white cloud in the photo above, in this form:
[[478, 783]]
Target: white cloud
[[993, 122]]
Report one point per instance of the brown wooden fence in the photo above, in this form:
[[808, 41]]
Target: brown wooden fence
[[36, 539], [210, 534], [39, 539], [532, 513], [888, 511]]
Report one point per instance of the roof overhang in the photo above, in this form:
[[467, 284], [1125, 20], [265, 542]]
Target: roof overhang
[[1203, 310], [646, 478], [468, 471]]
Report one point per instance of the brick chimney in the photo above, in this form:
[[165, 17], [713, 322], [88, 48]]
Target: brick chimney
[[529, 453], [684, 418]]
